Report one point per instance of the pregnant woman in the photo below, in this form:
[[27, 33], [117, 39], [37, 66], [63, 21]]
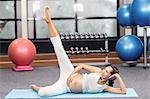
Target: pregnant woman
[[71, 80]]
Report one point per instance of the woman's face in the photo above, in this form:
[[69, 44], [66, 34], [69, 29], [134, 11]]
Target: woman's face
[[106, 72]]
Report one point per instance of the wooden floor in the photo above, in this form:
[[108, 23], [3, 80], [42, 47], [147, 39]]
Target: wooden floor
[[49, 59]]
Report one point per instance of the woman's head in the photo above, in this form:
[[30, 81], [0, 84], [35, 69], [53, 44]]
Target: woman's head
[[108, 71]]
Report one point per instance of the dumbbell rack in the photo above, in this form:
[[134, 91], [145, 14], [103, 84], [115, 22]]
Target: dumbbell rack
[[86, 50]]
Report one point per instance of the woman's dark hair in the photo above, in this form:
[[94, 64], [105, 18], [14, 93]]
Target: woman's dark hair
[[115, 70]]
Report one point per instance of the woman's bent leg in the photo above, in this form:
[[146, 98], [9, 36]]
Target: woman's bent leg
[[55, 89]]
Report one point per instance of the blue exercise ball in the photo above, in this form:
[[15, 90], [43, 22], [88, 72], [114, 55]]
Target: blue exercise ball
[[123, 15], [140, 12], [129, 48]]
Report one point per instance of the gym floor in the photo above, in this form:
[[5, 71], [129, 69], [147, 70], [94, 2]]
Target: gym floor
[[134, 77]]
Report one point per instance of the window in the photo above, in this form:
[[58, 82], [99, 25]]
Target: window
[[71, 16], [9, 17]]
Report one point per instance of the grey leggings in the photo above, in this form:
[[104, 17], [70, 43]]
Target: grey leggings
[[66, 68]]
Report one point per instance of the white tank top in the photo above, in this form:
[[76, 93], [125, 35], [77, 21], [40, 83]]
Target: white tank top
[[90, 83]]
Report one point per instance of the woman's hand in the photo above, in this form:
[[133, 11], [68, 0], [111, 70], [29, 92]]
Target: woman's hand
[[70, 78], [121, 89], [47, 16], [114, 76]]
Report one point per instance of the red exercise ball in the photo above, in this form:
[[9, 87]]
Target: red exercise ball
[[22, 52]]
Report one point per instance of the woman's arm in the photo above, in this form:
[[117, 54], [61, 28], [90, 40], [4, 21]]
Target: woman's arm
[[122, 87], [80, 67], [86, 67]]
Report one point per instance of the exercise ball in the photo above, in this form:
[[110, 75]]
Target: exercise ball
[[22, 52], [129, 48], [123, 15], [140, 12]]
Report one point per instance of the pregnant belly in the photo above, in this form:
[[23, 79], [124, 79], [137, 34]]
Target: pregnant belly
[[76, 84]]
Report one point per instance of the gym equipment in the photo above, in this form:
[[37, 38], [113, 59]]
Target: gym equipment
[[123, 15], [22, 52], [87, 36], [76, 36], [131, 63], [29, 93], [129, 48], [149, 44], [140, 12], [145, 47], [85, 49]]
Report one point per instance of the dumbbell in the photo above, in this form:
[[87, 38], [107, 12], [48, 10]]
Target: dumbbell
[[105, 35], [72, 36], [96, 35], [87, 36], [82, 50], [87, 50], [81, 36], [91, 36], [72, 50], [101, 35], [67, 36], [62, 36], [77, 50]]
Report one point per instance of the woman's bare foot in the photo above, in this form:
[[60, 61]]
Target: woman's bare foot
[[46, 16], [35, 87]]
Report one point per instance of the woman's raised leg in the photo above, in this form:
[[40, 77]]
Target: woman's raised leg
[[66, 68]]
